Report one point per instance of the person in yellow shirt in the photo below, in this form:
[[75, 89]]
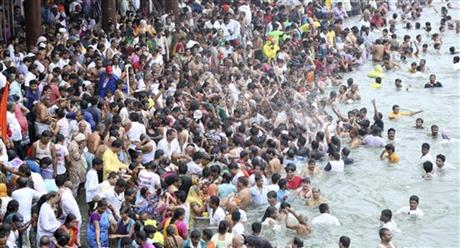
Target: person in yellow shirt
[[150, 227], [330, 36], [270, 49], [110, 159], [396, 113], [377, 84], [390, 154]]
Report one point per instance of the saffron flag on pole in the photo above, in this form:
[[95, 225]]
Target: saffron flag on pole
[[3, 103]]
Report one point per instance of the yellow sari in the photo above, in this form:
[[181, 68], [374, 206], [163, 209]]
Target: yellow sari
[[194, 198]]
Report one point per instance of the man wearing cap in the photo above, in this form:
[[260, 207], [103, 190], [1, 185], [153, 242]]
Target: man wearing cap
[[107, 82]]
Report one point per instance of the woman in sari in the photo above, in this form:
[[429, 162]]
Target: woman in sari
[[70, 227], [197, 206], [173, 240], [177, 221], [98, 226]]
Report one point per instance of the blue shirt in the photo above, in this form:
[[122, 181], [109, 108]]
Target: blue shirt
[[259, 197], [226, 189], [280, 195]]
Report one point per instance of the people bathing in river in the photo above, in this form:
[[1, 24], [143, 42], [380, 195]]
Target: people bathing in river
[[386, 222], [412, 209], [385, 239], [325, 218], [396, 113]]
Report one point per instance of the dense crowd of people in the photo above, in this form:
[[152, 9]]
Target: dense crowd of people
[[162, 124]]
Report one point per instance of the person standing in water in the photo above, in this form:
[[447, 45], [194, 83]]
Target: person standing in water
[[396, 113], [412, 209], [344, 242], [385, 239], [386, 222]]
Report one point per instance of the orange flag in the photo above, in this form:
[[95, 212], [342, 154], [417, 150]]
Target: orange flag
[[3, 103]]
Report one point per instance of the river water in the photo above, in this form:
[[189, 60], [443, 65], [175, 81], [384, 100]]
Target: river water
[[357, 196]]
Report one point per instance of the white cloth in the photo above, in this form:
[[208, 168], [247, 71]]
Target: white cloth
[[69, 205], [406, 210], [216, 216], [231, 30], [426, 157], [113, 199], [61, 153], [25, 197], [325, 219], [169, 148], [47, 222], [149, 156], [13, 124], [238, 229], [194, 168], [91, 185], [337, 165], [390, 225], [135, 132], [148, 179], [5, 201], [39, 183], [2, 80]]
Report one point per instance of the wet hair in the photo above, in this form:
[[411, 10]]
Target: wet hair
[[271, 194], [426, 146], [256, 227], [383, 231], [442, 157], [275, 178], [297, 241], [414, 198], [345, 241], [428, 166], [236, 216], [269, 212], [323, 208], [390, 147], [290, 167], [387, 213], [223, 227]]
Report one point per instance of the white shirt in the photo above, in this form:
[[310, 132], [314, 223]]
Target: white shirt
[[25, 196], [61, 153], [2, 80], [169, 148], [91, 185], [13, 124], [64, 128], [47, 222], [238, 229], [5, 201], [406, 210], [135, 132], [113, 199], [39, 183], [194, 168], [69, 205], [390, 225], [426, 157], [325, 219], [231, 30], [217, 216], [148, 179]]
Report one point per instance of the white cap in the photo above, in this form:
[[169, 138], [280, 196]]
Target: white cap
[[197, 114], [41, 39]]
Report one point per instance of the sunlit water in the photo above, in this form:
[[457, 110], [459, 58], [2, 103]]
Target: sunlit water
[[357, 196]]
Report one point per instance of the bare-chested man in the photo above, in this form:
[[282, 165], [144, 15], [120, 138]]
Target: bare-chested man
[[44, 119], [95, 138], [378, 50]]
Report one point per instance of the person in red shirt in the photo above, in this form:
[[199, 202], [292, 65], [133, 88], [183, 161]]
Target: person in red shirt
[[294, 181]]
